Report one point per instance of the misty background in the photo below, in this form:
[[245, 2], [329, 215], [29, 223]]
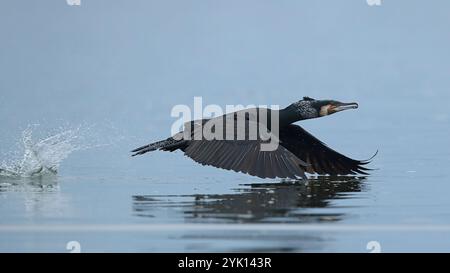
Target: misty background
[[121, 66], [118, 67]]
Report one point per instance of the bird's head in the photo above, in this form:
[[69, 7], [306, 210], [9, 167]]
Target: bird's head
[[311, 108]]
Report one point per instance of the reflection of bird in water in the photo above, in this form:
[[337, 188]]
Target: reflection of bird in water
[[298, 151], [268, 202]]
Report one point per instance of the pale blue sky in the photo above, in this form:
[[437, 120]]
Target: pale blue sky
[[131, 61]]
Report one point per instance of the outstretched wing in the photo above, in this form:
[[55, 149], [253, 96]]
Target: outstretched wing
[[320, 158], [246, 156]]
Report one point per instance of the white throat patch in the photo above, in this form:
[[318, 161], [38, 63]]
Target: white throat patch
[[324, 110]]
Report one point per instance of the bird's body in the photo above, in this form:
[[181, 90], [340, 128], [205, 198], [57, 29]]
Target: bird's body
[[263, 142]]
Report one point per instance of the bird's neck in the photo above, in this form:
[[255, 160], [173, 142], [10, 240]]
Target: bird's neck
[[291, 114], [288, 116]]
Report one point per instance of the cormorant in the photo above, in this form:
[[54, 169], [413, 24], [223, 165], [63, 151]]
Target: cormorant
[[297, 151]]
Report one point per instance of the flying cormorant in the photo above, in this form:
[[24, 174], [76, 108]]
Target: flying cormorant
[[296, 152]]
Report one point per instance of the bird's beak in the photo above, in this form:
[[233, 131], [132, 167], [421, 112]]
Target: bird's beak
[[343, 106]]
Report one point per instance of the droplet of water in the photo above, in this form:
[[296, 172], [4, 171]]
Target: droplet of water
[[43, 156]]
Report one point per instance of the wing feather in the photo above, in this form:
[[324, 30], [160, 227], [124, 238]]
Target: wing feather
[[320, 158], [245, 156]]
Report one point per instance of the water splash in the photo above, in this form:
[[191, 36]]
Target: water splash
[[44, 156]]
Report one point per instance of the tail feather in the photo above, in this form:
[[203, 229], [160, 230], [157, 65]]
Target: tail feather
[[154, 146]]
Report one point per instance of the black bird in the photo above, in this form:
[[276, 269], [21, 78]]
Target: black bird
[[298, 151]]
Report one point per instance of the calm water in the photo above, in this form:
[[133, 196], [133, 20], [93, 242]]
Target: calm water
[[102, 79], [165, 202]]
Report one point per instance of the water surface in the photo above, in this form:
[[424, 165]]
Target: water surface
[[101, 79]]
